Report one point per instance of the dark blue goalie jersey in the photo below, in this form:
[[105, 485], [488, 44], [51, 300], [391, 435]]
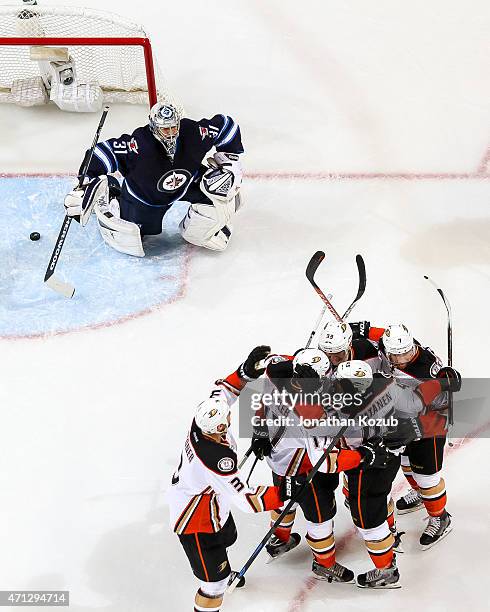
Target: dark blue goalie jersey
[[150, 176]]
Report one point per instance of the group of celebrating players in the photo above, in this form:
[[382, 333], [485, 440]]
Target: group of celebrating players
[[393, 375], [131, 182]]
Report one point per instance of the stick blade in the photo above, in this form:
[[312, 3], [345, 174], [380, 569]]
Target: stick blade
[[313, 264], [64, 289], [361, 267]]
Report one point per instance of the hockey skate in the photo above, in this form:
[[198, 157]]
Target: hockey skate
[[336, 573], [437, 529], [388, 578], [276, 547], [410, 502]]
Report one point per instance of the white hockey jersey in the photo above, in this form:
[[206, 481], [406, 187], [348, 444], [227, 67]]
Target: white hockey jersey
[[207, 481]]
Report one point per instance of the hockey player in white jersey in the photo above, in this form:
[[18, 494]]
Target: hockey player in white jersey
[[423, 459], [369, 490], [289, 451], [382, 398], [207, 482]]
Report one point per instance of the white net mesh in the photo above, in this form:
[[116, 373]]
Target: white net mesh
[[119, 70]]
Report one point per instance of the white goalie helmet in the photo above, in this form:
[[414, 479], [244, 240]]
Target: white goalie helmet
[[398, 340], [164, 122], [211, 414], [335, 337], [358, 372], [314, 358]]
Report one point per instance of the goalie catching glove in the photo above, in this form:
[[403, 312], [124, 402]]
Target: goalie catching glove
[[224, 177], [80, 202]]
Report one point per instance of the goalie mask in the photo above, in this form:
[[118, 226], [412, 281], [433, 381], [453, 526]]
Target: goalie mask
[[164, 124]]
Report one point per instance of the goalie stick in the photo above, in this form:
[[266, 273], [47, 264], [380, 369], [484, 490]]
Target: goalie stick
[[57, 285], [450, 403]]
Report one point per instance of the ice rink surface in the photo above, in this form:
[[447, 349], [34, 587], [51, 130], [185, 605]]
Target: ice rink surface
[[366, 131]]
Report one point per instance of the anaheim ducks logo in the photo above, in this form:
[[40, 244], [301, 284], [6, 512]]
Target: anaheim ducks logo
[[360, 374], [316, 359], [173, 180], [212, 412], [226, 464]]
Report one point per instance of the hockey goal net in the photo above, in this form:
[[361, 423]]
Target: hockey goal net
[[96, 51]]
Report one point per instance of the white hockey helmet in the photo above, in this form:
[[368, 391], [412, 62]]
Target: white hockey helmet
[[335, 337], [397, 339], [212, 413], [164, 122], [314, 358], [358, 372]]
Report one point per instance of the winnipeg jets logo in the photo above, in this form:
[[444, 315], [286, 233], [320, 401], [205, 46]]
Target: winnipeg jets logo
[[166, 112], [173, 180]]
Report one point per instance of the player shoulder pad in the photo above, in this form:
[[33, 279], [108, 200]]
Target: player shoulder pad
[[426, 365], [363, 349], [219, 458]]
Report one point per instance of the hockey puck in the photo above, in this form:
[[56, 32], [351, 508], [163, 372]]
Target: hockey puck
[[35, 236]]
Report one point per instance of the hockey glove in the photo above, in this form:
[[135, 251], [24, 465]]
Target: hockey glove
[[253, 366], [80, 202], [305, 379], [450, 379], [374, 455], [261, 445], [360, 329], [290, 486]]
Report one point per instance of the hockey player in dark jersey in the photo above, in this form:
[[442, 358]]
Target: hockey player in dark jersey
[[423, 459], [161, 163]]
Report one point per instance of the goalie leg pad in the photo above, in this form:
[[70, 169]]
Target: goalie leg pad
[[208, 226], [123, 236]]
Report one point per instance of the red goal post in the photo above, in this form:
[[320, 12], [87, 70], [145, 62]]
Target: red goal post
[[101, 42], [105, 53]]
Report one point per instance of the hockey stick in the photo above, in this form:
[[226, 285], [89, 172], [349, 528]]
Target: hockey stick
[[361, 268], [287, 508], [450, 403], [65, 288], [317, 324], [311, 269], [245, 457], [251, 470]]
